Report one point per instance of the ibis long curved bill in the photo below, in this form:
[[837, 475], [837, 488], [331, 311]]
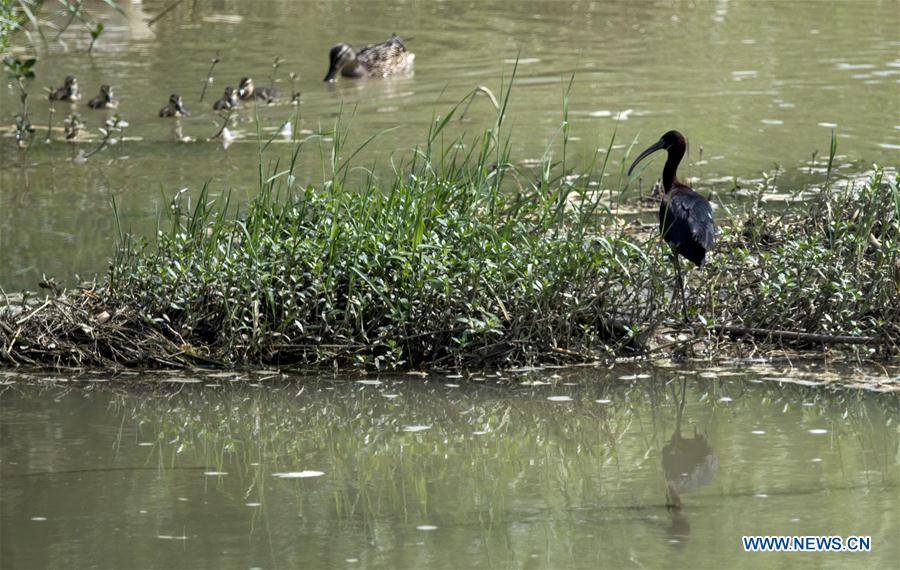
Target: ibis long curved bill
[[658, 145]]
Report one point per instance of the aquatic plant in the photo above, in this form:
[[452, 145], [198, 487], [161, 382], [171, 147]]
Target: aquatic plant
[[461, 258]]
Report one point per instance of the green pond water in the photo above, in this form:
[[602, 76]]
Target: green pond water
[[758, 86], [527, 470]]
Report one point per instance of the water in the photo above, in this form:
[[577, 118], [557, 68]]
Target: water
[[566, 470], [754, 84]]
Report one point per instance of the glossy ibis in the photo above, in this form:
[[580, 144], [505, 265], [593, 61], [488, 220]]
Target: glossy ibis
[[685, 217]]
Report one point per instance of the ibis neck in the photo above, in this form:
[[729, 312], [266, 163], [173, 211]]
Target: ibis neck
[[671, 168]]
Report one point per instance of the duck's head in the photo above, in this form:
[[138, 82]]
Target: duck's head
[[106, 92], [230, 95], [672, 140], [245, 87], [177, 102], [71, 83], [339, 56]]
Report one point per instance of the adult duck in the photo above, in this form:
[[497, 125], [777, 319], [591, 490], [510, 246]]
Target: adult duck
[[390, 57]]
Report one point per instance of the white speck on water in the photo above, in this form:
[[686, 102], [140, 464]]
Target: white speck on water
[[603, 113], [559, 398], [480, 432], [426, 527], [603, 401], [452, 385], [523, 61], [170, 537], [454, 376], [761, 496], [38, 518], [808, 404], [725, 400], [748, 41], [414, 429], [743, 74], [146, 444], [182, 381], [629, 377], [253, 504], [623, 115], [758, 432], [255, 464], [795, 520], [889, 146], [816, 460], [708, 375], [215, 473], [183, 499], [828, 125], [298, 474], [369, 382], [390, 396], [818, 431], [772, 122], [855, 65], [351, 560]]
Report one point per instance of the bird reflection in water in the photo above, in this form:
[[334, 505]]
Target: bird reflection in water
[[688, 464]]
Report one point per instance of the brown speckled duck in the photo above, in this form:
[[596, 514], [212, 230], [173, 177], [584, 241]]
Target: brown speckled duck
[[68, 92], [104, 100], [249, 92], [228, 100], [174, 108], [390, 57]]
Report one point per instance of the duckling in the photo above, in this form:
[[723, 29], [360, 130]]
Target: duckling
[[174, 108], [68, 92], [378, 60], [247, 91], [228, 100], [104, 100]]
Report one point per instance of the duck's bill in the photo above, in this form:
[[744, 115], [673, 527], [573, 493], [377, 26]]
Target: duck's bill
[[659, 145]]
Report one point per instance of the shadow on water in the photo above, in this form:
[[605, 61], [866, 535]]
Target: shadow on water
[[581, 468]]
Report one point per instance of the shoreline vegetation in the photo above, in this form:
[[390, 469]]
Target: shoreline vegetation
[[461, 260]]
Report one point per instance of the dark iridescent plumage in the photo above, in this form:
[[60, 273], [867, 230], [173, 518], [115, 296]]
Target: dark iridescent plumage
[[685, 217]]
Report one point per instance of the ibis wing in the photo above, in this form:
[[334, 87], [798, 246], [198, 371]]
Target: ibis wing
[[700, 220]]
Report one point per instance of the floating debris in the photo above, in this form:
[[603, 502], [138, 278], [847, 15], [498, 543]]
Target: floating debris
[[559, 398], [298, 474]]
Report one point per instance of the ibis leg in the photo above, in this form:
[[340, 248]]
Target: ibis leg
[[680, 284]]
